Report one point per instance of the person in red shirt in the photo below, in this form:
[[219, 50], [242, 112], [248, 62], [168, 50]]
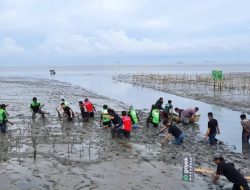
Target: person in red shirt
[[126, 127], [90, 108]]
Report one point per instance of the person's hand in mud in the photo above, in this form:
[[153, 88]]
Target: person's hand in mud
[[167, 137], [162, 129], [215, 178], [206, 136]]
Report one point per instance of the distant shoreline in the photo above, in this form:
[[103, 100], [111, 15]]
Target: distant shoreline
[[232, 99]]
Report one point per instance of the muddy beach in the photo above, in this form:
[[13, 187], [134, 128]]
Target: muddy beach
[[82, 155]]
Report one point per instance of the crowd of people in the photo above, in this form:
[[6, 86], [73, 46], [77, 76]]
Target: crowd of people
[[121, 125]]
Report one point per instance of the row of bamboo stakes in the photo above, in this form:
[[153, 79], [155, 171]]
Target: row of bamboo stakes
[[239, 82]]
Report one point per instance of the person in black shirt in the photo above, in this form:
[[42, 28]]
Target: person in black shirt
[[84, 112], [179, 111], [67, 111], [212, 130], [116, 121], [159, 103], [173, 130], [230, 172]]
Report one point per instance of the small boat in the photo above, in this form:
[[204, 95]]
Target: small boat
[[175, 118], [52, 72]]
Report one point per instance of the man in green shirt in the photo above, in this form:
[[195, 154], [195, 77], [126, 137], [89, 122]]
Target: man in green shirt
[[3, 118], [36, 108]]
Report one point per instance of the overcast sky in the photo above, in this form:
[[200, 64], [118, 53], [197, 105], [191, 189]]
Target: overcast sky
[[64, 31]]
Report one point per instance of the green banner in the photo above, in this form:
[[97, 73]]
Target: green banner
[[217, 75]]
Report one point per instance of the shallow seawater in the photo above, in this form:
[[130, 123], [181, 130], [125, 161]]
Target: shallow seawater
[[99, 80]]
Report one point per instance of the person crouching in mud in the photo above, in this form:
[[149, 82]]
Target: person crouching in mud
[[105, 117], [67, 111], [126, 127], [36, 108], [173, 130], [90, 108], [231, 173], [134, 117], [188, 115], [116, 121], [154, 116], [84, 112]]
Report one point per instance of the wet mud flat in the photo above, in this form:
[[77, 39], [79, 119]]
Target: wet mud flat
[[234, 94], [55, 154]]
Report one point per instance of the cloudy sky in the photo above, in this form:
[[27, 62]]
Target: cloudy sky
[[80, 31]]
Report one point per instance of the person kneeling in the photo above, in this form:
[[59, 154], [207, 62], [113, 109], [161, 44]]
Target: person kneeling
[[173, 130], [127, 126]]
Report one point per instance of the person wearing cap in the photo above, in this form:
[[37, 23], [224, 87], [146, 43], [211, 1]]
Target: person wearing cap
[[187, 116], [212, 130], [134, 117], [36, 108], [90, 108], [173, 131], [231, 173], [245, 123]]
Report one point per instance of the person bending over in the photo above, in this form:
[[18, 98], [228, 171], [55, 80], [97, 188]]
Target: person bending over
[[231, 173], [116, 121], [173, 131], [36, 108], [68, 112], [126, 127]]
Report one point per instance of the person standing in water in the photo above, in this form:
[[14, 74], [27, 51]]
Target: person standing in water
[[245, 123], [212, 130]]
